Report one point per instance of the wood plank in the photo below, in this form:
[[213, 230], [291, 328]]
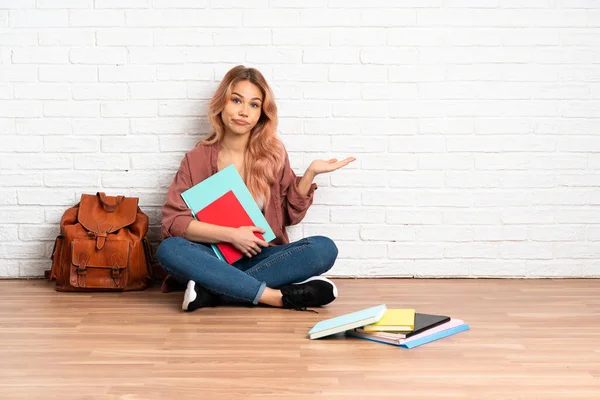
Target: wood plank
[[529, 339]]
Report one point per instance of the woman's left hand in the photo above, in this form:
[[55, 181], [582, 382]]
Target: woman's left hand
[[322, 166]]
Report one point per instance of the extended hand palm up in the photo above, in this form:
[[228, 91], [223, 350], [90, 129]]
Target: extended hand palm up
[[323, 166]]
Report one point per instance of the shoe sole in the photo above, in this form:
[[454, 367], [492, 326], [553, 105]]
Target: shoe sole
[[321, 278], [189, 295]]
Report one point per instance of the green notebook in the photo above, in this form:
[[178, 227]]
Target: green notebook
[[204, 193]]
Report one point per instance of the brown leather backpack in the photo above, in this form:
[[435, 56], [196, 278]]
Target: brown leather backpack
[[102, 246]]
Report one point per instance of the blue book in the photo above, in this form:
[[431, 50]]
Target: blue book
[[412, 343], [436, 336], [346, 322], [204, 193]]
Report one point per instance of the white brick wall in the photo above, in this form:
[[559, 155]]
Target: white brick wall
[[476, 124]]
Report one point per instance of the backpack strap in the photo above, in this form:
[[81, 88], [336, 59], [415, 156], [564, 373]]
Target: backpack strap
[[109, 207]]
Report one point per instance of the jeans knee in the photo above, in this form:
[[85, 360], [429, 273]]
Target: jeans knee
[[167, 248], [326, 250]]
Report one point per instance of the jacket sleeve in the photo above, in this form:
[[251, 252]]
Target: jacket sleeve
[[176, 215], [294, 204]]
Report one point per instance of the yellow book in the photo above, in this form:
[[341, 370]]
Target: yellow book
[[394, 320]]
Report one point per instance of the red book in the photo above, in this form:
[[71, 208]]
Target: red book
[[227, 211]]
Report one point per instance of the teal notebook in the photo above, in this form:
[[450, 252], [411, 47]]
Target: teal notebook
[[204, 193], [347, 321]]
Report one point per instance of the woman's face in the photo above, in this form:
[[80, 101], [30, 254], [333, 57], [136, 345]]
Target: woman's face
[[243, 108]]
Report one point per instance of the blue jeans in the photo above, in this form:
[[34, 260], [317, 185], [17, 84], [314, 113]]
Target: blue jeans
[[247, 278]]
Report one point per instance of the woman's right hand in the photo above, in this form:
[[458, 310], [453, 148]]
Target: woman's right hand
[[245, 241]]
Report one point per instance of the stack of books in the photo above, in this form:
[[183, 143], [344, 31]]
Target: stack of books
[[399, 327], [224, 199]]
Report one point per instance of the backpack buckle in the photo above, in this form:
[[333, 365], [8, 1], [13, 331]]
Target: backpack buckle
[[84, 257]]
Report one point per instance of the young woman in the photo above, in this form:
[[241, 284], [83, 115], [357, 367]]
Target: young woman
[[243, 116]]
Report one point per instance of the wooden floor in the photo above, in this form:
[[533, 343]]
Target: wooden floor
[[529, 339]]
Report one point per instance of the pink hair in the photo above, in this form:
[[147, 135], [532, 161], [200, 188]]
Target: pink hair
[[265, 152]]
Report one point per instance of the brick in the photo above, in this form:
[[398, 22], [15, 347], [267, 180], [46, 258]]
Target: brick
[[337, 197], [100, 126], [129, 73], [183, 37], [18, 37], [68, 73], [497, 233], [38, 233], [22, 250], [415, 251], [46, 197], [130, 144], [498, 269], [358, 37], [330, 55], [7, 126], [357, 178], [167, 90], [271, 18], [388, 162], [158, 55], [103, 162], [42, 91], [471, 250], [20, 109], [21, 215], [416, 179], [357, 73], [40, 55], [185, 73], [32, 161], [9, 233], [8, 197], [561, 233], [28, 18], [129, 179], [156, 162], [185, 18], [472, 217], [242, 37], [21, 144], [443, 198], [96, 18], [357, 215], [129, 109], [300, 36], [180, 143], [334, 232], [182, 108], [413, 217], [98, 55], [70, 144], [100, 91], [109, 4], [389, 91], [72, 179], [165, 125], [441, 268], [387, 233], [526, 250], [356, 109], [304, 109], [66, 37], [71, 109], [387, 198], [359, 251], [525, 215]]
